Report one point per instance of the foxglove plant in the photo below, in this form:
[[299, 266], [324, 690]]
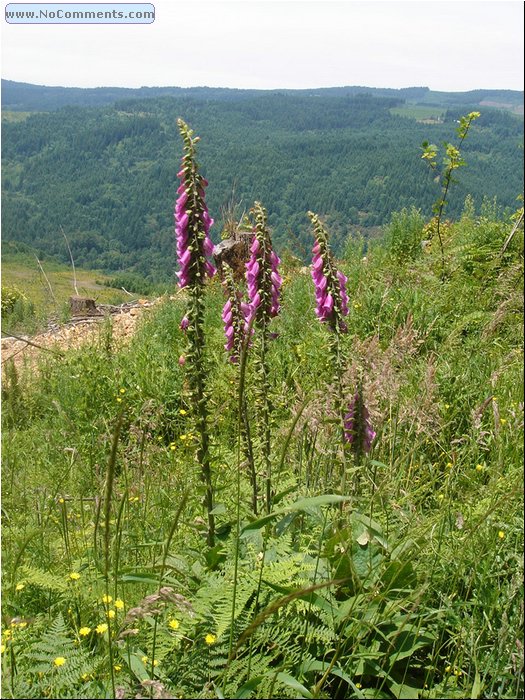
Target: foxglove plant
[[236, 330], [264, 286], [194, 246], [234, 315], [331, 309], [262, 273], [358, 432], [330, 283]]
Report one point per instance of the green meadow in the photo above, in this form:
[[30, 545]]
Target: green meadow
[[406, 583]]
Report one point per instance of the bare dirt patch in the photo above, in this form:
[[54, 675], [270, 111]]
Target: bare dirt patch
[[24, 350]]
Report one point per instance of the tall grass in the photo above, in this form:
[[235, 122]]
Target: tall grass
[[410, 588]]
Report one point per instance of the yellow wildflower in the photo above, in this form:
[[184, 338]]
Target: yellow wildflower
[[2, 648], [106, 599], [122, 391], [145, 660], [119, 604], [74, 575], [119, 400], [502, 421], [479, 467], [20, 586], [182, 412], [61, 500], [117, 667], [183, 437], [449, 465], [174, 624], [84, 631], [59, 661], [100, 629], [111, 614], [210, 639], [501, 534], [448, 669]]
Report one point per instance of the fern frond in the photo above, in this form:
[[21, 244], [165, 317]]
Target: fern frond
[[43, 579]]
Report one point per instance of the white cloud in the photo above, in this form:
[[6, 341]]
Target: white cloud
[[272, 44]]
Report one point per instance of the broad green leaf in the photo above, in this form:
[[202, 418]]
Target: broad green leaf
[[137, 667], [322, 666], [219, 509], [401, 690], [246, 690], [303, 504], [316, 502], [218, 692], [476, 687], [294, 683], [364, 538], [259, 523]]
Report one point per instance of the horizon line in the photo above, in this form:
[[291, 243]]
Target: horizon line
[[253, 89]]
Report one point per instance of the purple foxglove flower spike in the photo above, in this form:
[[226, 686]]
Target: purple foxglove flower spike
[[192, 222], [233, 316], [192, 226], [358, 431], [262, 271], [330, 284]]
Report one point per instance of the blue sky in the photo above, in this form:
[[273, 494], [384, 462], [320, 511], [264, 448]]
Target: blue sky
[[445, 45]]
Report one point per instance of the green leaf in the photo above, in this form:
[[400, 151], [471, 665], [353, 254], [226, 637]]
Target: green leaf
[[401, 690], [476, 687], [246, 690], [137, 668], [259, 523], [291, 682], [218, 692], [279, 496], [215, 556], [317, 502], [285, 522], [405, 643], [322, 666], [303, 504], [219, 509], [138, 578]]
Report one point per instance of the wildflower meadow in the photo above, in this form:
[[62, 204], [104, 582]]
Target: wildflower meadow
[[304, 480]]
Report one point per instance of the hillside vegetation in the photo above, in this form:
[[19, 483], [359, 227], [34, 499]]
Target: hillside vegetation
[[104, 175], [34, 292], [318, 567]]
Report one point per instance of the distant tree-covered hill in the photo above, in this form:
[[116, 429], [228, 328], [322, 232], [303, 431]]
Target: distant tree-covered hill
[[106, 174], [27, 97]]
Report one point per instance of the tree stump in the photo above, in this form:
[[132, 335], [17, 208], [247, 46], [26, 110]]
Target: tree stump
[[82, 306], [235, 252]]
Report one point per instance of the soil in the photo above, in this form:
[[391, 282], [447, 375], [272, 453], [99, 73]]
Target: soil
[[24, 350]]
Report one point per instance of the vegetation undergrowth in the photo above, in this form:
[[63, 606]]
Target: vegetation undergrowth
[[409, 586]]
